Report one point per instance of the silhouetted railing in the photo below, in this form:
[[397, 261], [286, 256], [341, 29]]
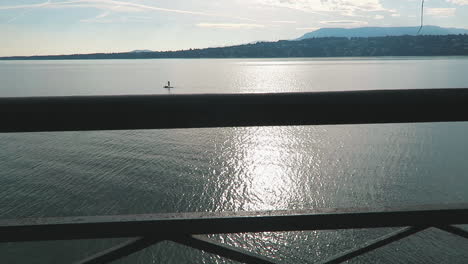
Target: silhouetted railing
[[227, 110], [195, 111]]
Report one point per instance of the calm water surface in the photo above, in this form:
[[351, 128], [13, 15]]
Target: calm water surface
[[235, 169]]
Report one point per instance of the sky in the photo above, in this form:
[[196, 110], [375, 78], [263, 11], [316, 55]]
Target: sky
[[40, 27]]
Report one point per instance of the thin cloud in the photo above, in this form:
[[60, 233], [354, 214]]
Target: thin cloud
[[441, 12], [25, 11], [458, 2], [307, 28], [284, 22], [345, 23], [98, 18], [18, 16], [229, 25], [103, 14], [343, 7], [118, 6], [25, 6]]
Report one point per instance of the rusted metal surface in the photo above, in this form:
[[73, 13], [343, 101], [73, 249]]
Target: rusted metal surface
[[80, 113]]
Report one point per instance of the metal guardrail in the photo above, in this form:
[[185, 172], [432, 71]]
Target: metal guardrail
[[228, 110], [196, 111], [188, 228]]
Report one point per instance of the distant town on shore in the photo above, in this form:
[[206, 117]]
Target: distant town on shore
[[332, 42]]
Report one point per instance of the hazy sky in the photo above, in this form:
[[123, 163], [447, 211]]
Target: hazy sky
[[29, 27]]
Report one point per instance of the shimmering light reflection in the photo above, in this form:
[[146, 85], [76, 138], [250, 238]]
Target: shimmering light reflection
[[276, 77], [267, 174]]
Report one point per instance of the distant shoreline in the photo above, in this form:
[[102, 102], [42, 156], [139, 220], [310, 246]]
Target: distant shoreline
[[329, 47], [234, 58]]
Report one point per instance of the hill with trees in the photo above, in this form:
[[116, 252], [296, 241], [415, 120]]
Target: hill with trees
[[315, 47]]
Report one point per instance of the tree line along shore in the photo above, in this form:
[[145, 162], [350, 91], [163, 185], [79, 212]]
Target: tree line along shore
[[448, 45]]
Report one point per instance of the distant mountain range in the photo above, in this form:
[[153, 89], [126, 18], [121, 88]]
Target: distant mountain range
[[314, 47], [365, 32]]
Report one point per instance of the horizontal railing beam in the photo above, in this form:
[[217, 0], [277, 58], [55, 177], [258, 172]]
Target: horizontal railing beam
[[166, 226], [81, 113]]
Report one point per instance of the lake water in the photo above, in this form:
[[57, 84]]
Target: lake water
[[235, 169]]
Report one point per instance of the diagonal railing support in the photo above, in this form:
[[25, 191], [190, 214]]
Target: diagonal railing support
[[374, 244], [223, 250], [454, 230], [122, 250]]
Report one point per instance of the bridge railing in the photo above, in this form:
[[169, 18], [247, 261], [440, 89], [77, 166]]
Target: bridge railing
[[83, 113]]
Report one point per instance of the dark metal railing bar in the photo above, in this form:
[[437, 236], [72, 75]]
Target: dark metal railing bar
[[374, 244], [120, 251], [223, 250], [454, 230], [69, 228], [81, 113]]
